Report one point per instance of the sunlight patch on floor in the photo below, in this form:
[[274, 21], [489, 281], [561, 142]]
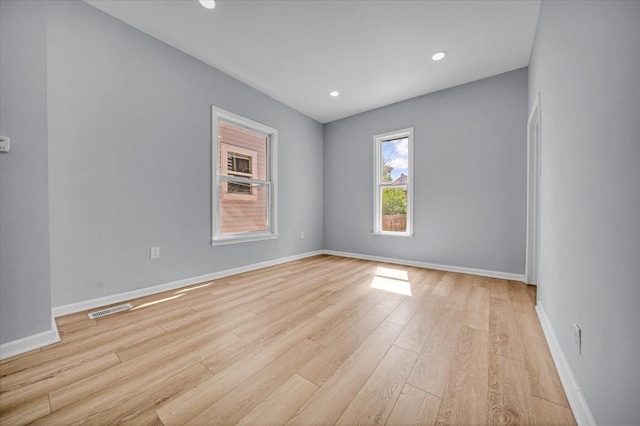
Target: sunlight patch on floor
[[398, 274], [184, 290], [155, 302], [392, 285]]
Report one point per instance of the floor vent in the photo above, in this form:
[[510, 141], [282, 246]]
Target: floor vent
[[111, 310]]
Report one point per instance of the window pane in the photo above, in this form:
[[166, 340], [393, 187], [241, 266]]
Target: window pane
[[236, 162], [244, 212], [394, 209], [238, 188], [395, 161], [242, 152]]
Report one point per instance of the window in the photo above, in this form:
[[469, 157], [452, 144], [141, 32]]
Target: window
[[393, 183], [244, 179]]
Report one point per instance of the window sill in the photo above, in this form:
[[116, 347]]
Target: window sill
[[237, 239], [392, 234]]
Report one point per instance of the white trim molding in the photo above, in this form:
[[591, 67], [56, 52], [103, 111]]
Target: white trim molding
[[438, 267], [379, 186], [173, 285], [534, 134], [29, 343], [579, 406], [48, 337], [219, 115]]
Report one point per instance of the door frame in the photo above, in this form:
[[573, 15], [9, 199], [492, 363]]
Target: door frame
[[532, 255]]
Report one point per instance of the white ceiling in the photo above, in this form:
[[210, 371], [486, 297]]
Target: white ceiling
[[374, 53]]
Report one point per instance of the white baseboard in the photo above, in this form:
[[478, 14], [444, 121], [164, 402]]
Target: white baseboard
[[579, 406], [29, 343], [51, 336], [447, 268], [121, 297], [48, 337]]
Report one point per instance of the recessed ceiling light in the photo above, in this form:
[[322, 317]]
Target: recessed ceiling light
[[209, 4], [334, 94], [439, 55]]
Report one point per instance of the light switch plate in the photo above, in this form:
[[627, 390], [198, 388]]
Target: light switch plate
[[5, 144]]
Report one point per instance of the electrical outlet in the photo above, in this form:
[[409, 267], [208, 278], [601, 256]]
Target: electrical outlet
[[155, 253], [577, 338], [301, 234]]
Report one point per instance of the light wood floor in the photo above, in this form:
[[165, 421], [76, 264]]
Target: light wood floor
[[321, 340]]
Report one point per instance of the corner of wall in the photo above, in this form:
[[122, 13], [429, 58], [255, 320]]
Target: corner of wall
[[578, 403], [30, 343]]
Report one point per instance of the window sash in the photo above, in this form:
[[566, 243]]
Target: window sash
[[393, 185], [241, 179], [253, 182], [379, 186], [225, 176]]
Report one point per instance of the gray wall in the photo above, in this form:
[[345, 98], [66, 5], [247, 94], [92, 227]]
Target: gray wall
[[469, 169], [129, 157], [128, 150], [25, 295], [586, 66]]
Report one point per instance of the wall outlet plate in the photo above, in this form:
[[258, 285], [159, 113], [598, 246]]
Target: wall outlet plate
[[154, 253], [5, 143]]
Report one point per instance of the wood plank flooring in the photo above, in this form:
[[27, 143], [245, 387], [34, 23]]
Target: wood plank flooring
[[318, 341]]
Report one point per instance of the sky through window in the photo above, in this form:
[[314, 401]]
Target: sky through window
[[396, 155]]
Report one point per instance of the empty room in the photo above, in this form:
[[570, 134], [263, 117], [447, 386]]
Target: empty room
[[319, 212]]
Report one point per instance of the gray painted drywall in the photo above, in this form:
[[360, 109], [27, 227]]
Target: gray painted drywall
[[469, 169], [25, 295], [129, 160], [586, 66]]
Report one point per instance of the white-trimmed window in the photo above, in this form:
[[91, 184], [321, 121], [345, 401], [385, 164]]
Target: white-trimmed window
[[244, 203], [393, 183]]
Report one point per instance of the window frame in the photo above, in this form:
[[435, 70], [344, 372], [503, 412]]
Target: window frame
[[217, 238], [378, 185]]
